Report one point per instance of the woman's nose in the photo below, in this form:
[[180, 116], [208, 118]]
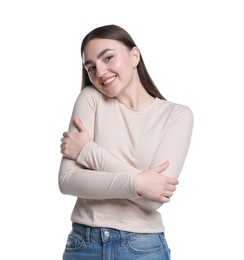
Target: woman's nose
[[100, 70]]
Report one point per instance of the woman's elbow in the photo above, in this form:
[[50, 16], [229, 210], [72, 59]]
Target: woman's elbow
[[61, 185]]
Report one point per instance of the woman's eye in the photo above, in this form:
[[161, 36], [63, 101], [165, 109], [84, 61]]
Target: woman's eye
[[109, 58], [90, 69]]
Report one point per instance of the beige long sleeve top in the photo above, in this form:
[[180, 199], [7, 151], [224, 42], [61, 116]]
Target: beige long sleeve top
[[125, 142]]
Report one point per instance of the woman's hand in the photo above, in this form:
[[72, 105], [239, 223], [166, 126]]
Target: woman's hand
[[73, 142], [154, 185]]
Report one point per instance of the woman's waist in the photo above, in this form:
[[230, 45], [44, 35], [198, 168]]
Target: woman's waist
[[105, 233], [117, 213]]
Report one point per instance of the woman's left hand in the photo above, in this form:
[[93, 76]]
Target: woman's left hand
[[73, 142]]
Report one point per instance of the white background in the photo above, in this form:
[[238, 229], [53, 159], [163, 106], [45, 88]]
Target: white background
[[194, 51]]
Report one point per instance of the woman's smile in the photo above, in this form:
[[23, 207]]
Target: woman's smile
[[108, 82]]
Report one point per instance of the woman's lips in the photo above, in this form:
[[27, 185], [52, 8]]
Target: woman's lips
[[108, 82]]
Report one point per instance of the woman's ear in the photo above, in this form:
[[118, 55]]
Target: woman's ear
[[135, 52]]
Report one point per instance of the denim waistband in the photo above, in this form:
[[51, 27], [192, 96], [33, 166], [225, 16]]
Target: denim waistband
[[102, 234]]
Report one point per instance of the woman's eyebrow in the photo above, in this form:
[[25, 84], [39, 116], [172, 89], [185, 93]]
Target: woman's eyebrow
[[98, 56]]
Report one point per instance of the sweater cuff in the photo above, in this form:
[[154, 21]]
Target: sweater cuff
[[85, 150], [133, 186]]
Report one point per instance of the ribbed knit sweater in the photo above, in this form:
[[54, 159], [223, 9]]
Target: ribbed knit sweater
[[125, 142]]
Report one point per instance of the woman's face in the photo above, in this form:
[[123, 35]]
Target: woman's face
[[111, 66]]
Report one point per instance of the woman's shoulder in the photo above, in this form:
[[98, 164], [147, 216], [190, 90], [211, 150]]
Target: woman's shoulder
[[167, 104], [90, 91], [175, 109], [89, 94]]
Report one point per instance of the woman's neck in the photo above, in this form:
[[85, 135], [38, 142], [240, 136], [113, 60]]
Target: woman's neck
[[136, 98]]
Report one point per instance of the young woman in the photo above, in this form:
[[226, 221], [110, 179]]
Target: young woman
[[122, 155]]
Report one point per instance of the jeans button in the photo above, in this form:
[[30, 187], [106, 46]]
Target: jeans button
[[106, 234]]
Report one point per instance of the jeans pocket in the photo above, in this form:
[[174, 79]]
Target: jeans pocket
[[74, 243], [145, 244]]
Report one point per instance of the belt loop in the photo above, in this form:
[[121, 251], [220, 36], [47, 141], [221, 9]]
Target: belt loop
[[88, 232], [122, 238]]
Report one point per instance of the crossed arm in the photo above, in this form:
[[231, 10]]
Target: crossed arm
[[152, 187], [90, 171]]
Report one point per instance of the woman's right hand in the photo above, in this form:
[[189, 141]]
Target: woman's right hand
[[153, 185], [73, 142]]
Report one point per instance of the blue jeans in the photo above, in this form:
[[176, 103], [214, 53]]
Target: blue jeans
[[90, 243]]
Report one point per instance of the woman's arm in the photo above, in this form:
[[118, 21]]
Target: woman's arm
[[74, 180], [81, 182], [110, 172], [90, 184], [175, 142], [172, 147], [97, 158]]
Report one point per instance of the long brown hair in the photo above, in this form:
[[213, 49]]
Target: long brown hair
[[117, 33]]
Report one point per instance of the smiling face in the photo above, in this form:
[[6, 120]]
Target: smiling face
[[111, 66]]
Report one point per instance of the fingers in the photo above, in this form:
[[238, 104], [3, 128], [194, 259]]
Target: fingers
[[168, 194], [171, 187], [65, 134], [164, 200], [161, 167], [79, 125], [62, 147], [172, 181], [165, 197], [164, 166], [63, 141]]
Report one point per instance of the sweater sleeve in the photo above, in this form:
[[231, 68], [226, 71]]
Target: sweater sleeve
[[91, 184], [77, 180], [173, 147], [175, 141], [115, 178], [97, 158]]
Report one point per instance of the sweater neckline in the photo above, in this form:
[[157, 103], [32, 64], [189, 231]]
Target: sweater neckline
[[138, 112]]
